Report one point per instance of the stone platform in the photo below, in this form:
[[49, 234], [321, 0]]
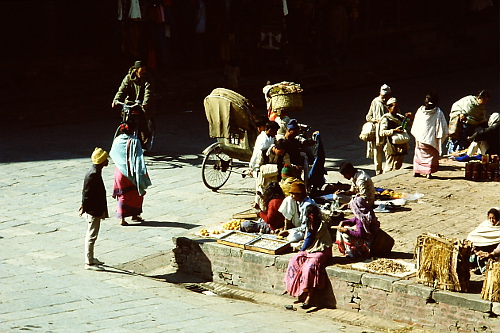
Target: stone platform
[[399, 299]]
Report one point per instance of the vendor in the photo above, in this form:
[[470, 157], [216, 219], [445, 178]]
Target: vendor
[[293, 209], [355, 236], [485, 239], [362, 185], [306, 270], [270, 219]]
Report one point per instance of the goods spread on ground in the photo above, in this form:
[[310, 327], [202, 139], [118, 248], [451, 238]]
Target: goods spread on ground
[[234, 224], [385, 266], [443, 262], [255, 242], [381, 193]]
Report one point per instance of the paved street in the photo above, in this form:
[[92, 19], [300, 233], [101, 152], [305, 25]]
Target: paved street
[[44, 285]]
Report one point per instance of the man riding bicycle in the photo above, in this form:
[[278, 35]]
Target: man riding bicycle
[[137, 86]]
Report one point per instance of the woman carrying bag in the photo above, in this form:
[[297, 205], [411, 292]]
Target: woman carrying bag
[[392, 128]]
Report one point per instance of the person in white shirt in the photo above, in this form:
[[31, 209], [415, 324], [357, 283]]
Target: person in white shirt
[[362, 185], [263, 142]]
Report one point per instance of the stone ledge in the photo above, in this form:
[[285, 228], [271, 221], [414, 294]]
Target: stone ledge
[[471, 302], [373, 294]]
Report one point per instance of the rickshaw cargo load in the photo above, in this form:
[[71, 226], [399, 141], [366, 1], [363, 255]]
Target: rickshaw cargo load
[[228, 112], [288, 102]]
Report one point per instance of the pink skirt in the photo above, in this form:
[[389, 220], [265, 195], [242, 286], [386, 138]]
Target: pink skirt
[[306, 271], [426, 159], [129, 200]]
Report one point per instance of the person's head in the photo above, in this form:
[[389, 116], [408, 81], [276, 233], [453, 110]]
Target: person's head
[[99, 157], [287, 171], [272, 191], [272, 128], [260, 123], [347, 170], [483, 96], [140, 68], [313, 214], [298, 191], [279, 147], [431, 100], [292, 128], [385, 92], [392, 105], [127, 128], [494, 216]]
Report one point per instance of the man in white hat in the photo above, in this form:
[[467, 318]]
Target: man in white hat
[[375, 149], [94, 205]]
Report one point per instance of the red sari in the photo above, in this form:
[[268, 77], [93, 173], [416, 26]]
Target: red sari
[[129, 200]]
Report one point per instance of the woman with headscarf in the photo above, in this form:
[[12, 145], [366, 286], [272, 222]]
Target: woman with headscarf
[[430, 130], [355, 236], [485, 239], [306, 270], [131, 176]]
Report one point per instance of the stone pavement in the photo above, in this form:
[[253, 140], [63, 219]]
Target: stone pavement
[[44, 285]]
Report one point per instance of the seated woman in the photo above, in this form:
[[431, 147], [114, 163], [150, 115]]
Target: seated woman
[[355, 236], [306, 270], [485, 239], [270, 219]]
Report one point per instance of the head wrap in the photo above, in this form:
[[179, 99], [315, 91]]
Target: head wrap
[[292, 124], [138, 64], [286, 170], [297, 187], [99, 156], [385, 89], [363, 212], [494, 119], [392, 100]]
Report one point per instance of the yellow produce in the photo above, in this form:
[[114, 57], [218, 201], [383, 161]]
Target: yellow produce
[[232, 225]]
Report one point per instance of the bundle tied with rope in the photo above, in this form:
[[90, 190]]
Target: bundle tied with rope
[[491, 284], [443, 262]]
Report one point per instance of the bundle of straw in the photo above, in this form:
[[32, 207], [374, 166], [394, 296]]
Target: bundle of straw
[[491, 284], [443, 262]]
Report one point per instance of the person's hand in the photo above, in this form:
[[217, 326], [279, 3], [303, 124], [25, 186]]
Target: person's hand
[[483, 254], [398, 129], [80, 210], [408, 114], [462, 117], [256, 206], [339, 192], [342, 229]]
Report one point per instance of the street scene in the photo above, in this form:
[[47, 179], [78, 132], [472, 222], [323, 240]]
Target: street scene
[[65, 266]]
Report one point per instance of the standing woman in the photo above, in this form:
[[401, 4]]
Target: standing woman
[[430, 130], [131, 176], [306, 270], [391, 123], [375, 148]]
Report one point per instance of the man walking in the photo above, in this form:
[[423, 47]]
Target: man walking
[[94, 205]]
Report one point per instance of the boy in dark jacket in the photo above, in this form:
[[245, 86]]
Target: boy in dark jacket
[[94, 205]]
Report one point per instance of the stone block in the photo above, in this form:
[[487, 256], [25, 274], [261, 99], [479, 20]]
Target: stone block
[[495, 308], [401, 286], [419, 290], [345, 274], [375, 281], [468, 301]]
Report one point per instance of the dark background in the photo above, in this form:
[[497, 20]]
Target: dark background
[[64, 59]]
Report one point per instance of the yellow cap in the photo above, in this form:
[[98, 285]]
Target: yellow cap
[[99, 156]]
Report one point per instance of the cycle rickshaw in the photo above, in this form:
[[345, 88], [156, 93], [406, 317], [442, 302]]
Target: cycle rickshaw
[[231, 121]]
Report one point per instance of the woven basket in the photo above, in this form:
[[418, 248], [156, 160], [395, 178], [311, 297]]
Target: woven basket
[[288, 102]]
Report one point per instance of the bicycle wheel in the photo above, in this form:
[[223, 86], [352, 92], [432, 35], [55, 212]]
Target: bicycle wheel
[[216, 168]]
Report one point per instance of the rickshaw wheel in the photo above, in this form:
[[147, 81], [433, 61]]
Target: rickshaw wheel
[[216, 168]]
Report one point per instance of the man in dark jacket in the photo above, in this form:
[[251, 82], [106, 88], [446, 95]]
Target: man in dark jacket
[[94, 205], [136, 85]]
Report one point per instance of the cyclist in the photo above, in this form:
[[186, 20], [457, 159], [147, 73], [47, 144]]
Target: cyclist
[[137, 86]]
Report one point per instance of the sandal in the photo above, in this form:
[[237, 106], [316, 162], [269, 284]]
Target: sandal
[[124, 223], [137, 219], [306, 306]]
